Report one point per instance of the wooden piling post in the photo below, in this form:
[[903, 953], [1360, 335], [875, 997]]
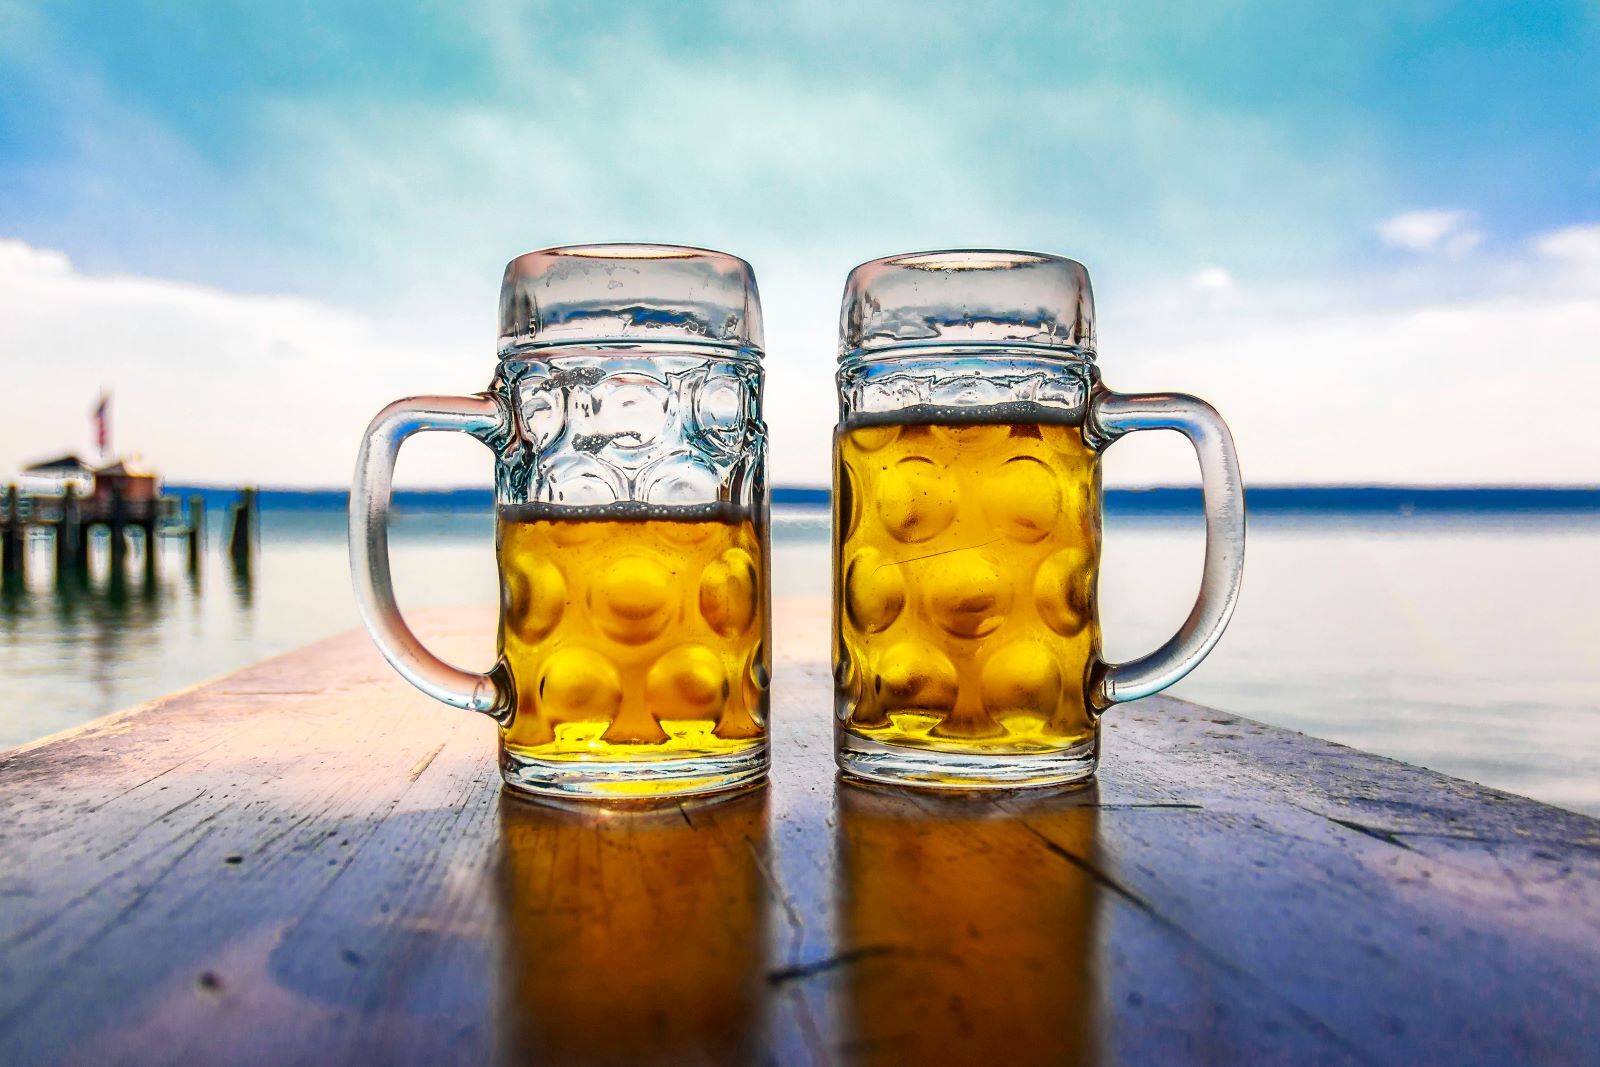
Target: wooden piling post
[[78, 539], [80, 560], [239, 541], [197, 531], [118, 524], [69, 533], [152, 549], [12, 536]]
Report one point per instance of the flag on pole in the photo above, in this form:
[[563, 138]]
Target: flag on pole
[[102, 423]]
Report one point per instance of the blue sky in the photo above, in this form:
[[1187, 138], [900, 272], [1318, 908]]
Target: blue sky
[[296, 194]]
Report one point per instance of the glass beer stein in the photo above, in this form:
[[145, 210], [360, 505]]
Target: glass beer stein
[[631, 525], [967, 523]]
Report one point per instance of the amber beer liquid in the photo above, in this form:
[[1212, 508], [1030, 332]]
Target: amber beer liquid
[[633, 634], [964, 588]]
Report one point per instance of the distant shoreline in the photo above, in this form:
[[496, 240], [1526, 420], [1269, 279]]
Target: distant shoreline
[[1281, 499]]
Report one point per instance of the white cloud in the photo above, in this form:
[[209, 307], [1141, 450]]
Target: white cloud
[[21, 260], [1448, 233], [1577, 245]]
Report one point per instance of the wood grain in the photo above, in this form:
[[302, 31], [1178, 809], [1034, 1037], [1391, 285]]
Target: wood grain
[[308, 862]]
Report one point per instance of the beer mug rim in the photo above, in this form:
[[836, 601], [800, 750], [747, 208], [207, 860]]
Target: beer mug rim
[[968, 298], [630, 295]]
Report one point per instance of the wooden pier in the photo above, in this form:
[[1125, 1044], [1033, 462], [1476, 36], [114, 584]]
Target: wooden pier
[[309, 862], [70, 521]]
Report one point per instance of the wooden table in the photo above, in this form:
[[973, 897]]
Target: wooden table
[[308, 862]]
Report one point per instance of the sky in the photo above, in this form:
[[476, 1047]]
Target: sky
[[1369, 234]]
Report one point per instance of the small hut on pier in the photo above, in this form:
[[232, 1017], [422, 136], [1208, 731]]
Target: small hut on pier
[[55, 476], [125, 479]]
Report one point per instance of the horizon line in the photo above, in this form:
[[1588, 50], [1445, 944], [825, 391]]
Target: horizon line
[[1349, 499], [1457, 487]]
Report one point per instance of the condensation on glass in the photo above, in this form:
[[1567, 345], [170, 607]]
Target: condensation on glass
[[631, 525], [967, 523]]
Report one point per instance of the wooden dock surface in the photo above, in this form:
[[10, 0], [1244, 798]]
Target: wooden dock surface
[[309, 862]]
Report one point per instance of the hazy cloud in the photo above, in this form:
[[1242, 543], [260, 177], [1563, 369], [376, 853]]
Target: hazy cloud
[[1446, 232], [1212, 280], [1576, 245]]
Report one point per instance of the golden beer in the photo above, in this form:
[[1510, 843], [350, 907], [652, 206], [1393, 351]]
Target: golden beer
[[966, 556], [639, 636]]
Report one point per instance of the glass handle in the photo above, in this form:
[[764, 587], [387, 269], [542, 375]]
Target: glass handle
[[370, 494], [1110, 416]]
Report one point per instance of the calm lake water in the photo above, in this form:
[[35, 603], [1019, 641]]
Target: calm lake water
[[1469, 644]]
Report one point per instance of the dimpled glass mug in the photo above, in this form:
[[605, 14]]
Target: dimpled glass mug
[[631, 525], [967, 523]]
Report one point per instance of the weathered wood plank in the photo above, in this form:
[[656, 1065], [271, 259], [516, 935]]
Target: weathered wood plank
[[308, 862]]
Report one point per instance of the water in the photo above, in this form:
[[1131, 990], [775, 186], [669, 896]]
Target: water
[[1465, 643]]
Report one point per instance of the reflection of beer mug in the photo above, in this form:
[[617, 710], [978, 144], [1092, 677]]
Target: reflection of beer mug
[[631, 507], [967, 523], [959, 945], [637, 940]]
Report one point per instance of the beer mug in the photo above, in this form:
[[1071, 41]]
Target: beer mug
[[967, 523], [631, 512]]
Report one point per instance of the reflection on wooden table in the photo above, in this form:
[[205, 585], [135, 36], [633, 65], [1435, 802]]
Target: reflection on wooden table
[[635, 936], [971, 940]]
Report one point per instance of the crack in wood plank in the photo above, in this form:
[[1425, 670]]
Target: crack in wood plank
[[1373, 832], [848, 958], [140, 785], [129, 839], [796, 923], [1100, 878]]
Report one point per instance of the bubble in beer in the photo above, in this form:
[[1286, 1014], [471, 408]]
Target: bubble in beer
[[1061, 590], [728, 592], [579, 685], [631, 600], [966, 593], [914, 675], [915, 500], [1022, 498], [875, 590], [688, 682]]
